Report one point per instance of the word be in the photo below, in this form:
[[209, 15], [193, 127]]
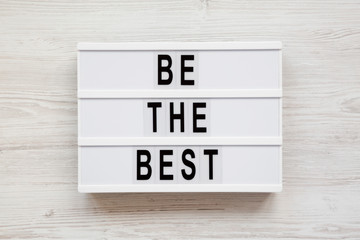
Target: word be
[[166, 69]]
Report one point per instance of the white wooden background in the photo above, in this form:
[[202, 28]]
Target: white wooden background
[[38, 123]]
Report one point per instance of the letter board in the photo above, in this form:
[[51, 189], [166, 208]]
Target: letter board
[[180, 117]]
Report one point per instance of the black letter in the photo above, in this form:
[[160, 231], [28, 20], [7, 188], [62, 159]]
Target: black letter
[[162, 69], [211, 152], [189, 164], [141, 164], [198, 116], [186, 69], [165, 164], [154, 105], [179, 116]]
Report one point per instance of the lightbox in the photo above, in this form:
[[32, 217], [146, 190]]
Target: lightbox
[[180, 117]]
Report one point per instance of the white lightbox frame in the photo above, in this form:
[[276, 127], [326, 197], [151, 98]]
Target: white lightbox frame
[[181, 93]]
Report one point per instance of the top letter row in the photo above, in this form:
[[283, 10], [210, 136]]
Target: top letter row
[[190, 69]]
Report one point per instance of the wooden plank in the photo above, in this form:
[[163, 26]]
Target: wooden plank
[[321, 119]]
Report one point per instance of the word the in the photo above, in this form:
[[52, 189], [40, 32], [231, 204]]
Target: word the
[[180, 115]]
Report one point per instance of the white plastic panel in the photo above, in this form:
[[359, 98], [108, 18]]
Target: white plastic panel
[[239, 69], [234, 165], [117, 70], [224, 117]]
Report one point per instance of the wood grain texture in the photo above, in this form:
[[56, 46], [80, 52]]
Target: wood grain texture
[[321, 121]]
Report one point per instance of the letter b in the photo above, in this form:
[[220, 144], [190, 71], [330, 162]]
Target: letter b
[[167, 69], [140, 164]]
